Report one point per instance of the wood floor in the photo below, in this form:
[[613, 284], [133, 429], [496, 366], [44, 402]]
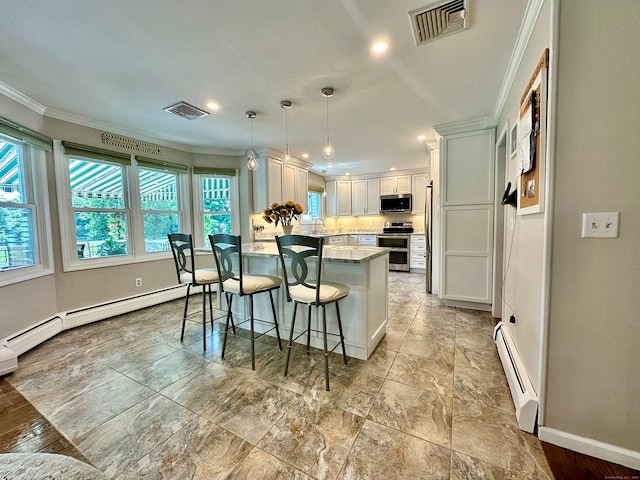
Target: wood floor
[[23, 429]]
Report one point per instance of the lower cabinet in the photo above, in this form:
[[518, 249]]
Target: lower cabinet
[[418, 259]]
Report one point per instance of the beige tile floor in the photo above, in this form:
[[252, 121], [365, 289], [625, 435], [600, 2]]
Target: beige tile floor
[[431, 403]]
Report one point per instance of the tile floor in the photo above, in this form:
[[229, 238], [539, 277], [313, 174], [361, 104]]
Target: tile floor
[[431, 403]]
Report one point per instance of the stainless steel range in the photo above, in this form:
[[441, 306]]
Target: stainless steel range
[[396, 237]]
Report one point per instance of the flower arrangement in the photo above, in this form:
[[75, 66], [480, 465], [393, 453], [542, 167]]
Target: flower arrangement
[[284, 213]]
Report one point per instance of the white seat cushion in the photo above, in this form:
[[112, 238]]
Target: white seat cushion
[[329, 292], [252, 284], [203, 275]]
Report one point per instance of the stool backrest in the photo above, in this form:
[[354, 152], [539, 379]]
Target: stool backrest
[[300, 250], [182, 248], [224, 246]]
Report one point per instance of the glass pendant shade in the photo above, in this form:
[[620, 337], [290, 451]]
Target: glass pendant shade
[[252, 161], [328, 152], [286, 105]]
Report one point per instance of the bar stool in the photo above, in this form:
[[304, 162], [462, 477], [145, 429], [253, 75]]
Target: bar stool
[[227, 251], [304, 288], [184, 259]]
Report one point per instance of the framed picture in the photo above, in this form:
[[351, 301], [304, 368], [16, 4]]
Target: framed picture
[[513, 138]]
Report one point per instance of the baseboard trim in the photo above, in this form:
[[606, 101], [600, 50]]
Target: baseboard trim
[[28, 338], [94, 313], [588, 446]]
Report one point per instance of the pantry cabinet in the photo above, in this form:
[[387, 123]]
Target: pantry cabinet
[[418, 193], [467, 206]]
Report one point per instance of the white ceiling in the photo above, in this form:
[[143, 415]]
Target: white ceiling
[[115, 64]]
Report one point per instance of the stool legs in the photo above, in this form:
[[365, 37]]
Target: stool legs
[[226, 328], [253, 334], [184, 315], [326, 353], [293, 324], [344, 352], [275, 320], [309, 329]]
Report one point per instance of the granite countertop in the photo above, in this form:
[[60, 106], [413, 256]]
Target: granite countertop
[[330, 253]]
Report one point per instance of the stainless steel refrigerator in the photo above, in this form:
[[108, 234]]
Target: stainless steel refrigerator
[[428, 232]]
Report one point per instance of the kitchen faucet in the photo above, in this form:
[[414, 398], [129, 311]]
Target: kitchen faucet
[[315, 224]]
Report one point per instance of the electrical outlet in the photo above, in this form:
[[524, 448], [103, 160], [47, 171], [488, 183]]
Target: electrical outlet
[[138, 282], [600, 225]]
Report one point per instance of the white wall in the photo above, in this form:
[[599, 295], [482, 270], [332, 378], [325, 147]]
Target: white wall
[[593, 386], [523, 246]]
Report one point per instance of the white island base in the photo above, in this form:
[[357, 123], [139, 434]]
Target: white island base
[[364, 312]]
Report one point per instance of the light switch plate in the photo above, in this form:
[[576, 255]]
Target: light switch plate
[[600, 225]]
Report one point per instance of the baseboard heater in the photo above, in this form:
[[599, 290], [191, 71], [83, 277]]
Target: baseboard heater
[[524, 396]]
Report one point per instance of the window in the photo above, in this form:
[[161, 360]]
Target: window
[[159, 203], [25, 240], [216, 203], [116, 212], [314, 204]]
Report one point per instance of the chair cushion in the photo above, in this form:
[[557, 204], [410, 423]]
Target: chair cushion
[[252, 284], [203, 275], [329, 292]]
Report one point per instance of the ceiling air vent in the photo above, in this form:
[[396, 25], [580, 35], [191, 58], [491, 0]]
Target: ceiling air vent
[[185, 110], [439, 19]]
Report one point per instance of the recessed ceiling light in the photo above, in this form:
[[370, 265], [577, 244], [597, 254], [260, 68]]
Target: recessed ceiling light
[[392, 168], [421, 137], [305, 155], [329, 166], [213, 105], [347, 173], [379, 47]]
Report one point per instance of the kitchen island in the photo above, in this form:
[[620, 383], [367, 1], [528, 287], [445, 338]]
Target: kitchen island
[[364, 311]]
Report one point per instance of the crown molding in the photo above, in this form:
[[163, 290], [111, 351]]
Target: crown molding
[[21, 98], [465, 126], [524, 35]]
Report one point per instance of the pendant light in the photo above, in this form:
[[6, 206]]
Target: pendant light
[[286, 105], [328, 151], [252, 161]]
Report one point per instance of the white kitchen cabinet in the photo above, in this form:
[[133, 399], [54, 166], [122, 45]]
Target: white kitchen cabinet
[[466, 216], [397, 184], [338, 198], [278, 182], [418, 249], [365, 197], [337, 240], [418, 193]]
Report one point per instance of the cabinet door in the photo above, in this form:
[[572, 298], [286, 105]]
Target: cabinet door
[[274, 181], [403, 184], [372, 204], [419, 193], [302, 187], [387, 185], [344, 198], [331, 188], [467, 168], [359, 197], [467, 260], [288, 183]]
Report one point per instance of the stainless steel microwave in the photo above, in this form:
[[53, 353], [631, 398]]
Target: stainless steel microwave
[[397, 203]]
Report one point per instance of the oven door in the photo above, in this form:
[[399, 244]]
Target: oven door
[[399, 251]]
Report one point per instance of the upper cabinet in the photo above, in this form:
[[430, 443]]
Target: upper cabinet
[[365, 197], [338, 198], [398, 184], [275, 181]]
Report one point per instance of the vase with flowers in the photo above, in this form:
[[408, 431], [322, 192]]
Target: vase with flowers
[[283, 214]]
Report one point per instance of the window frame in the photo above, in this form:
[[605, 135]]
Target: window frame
[[136, 251], [199, 211], [37, 199]]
